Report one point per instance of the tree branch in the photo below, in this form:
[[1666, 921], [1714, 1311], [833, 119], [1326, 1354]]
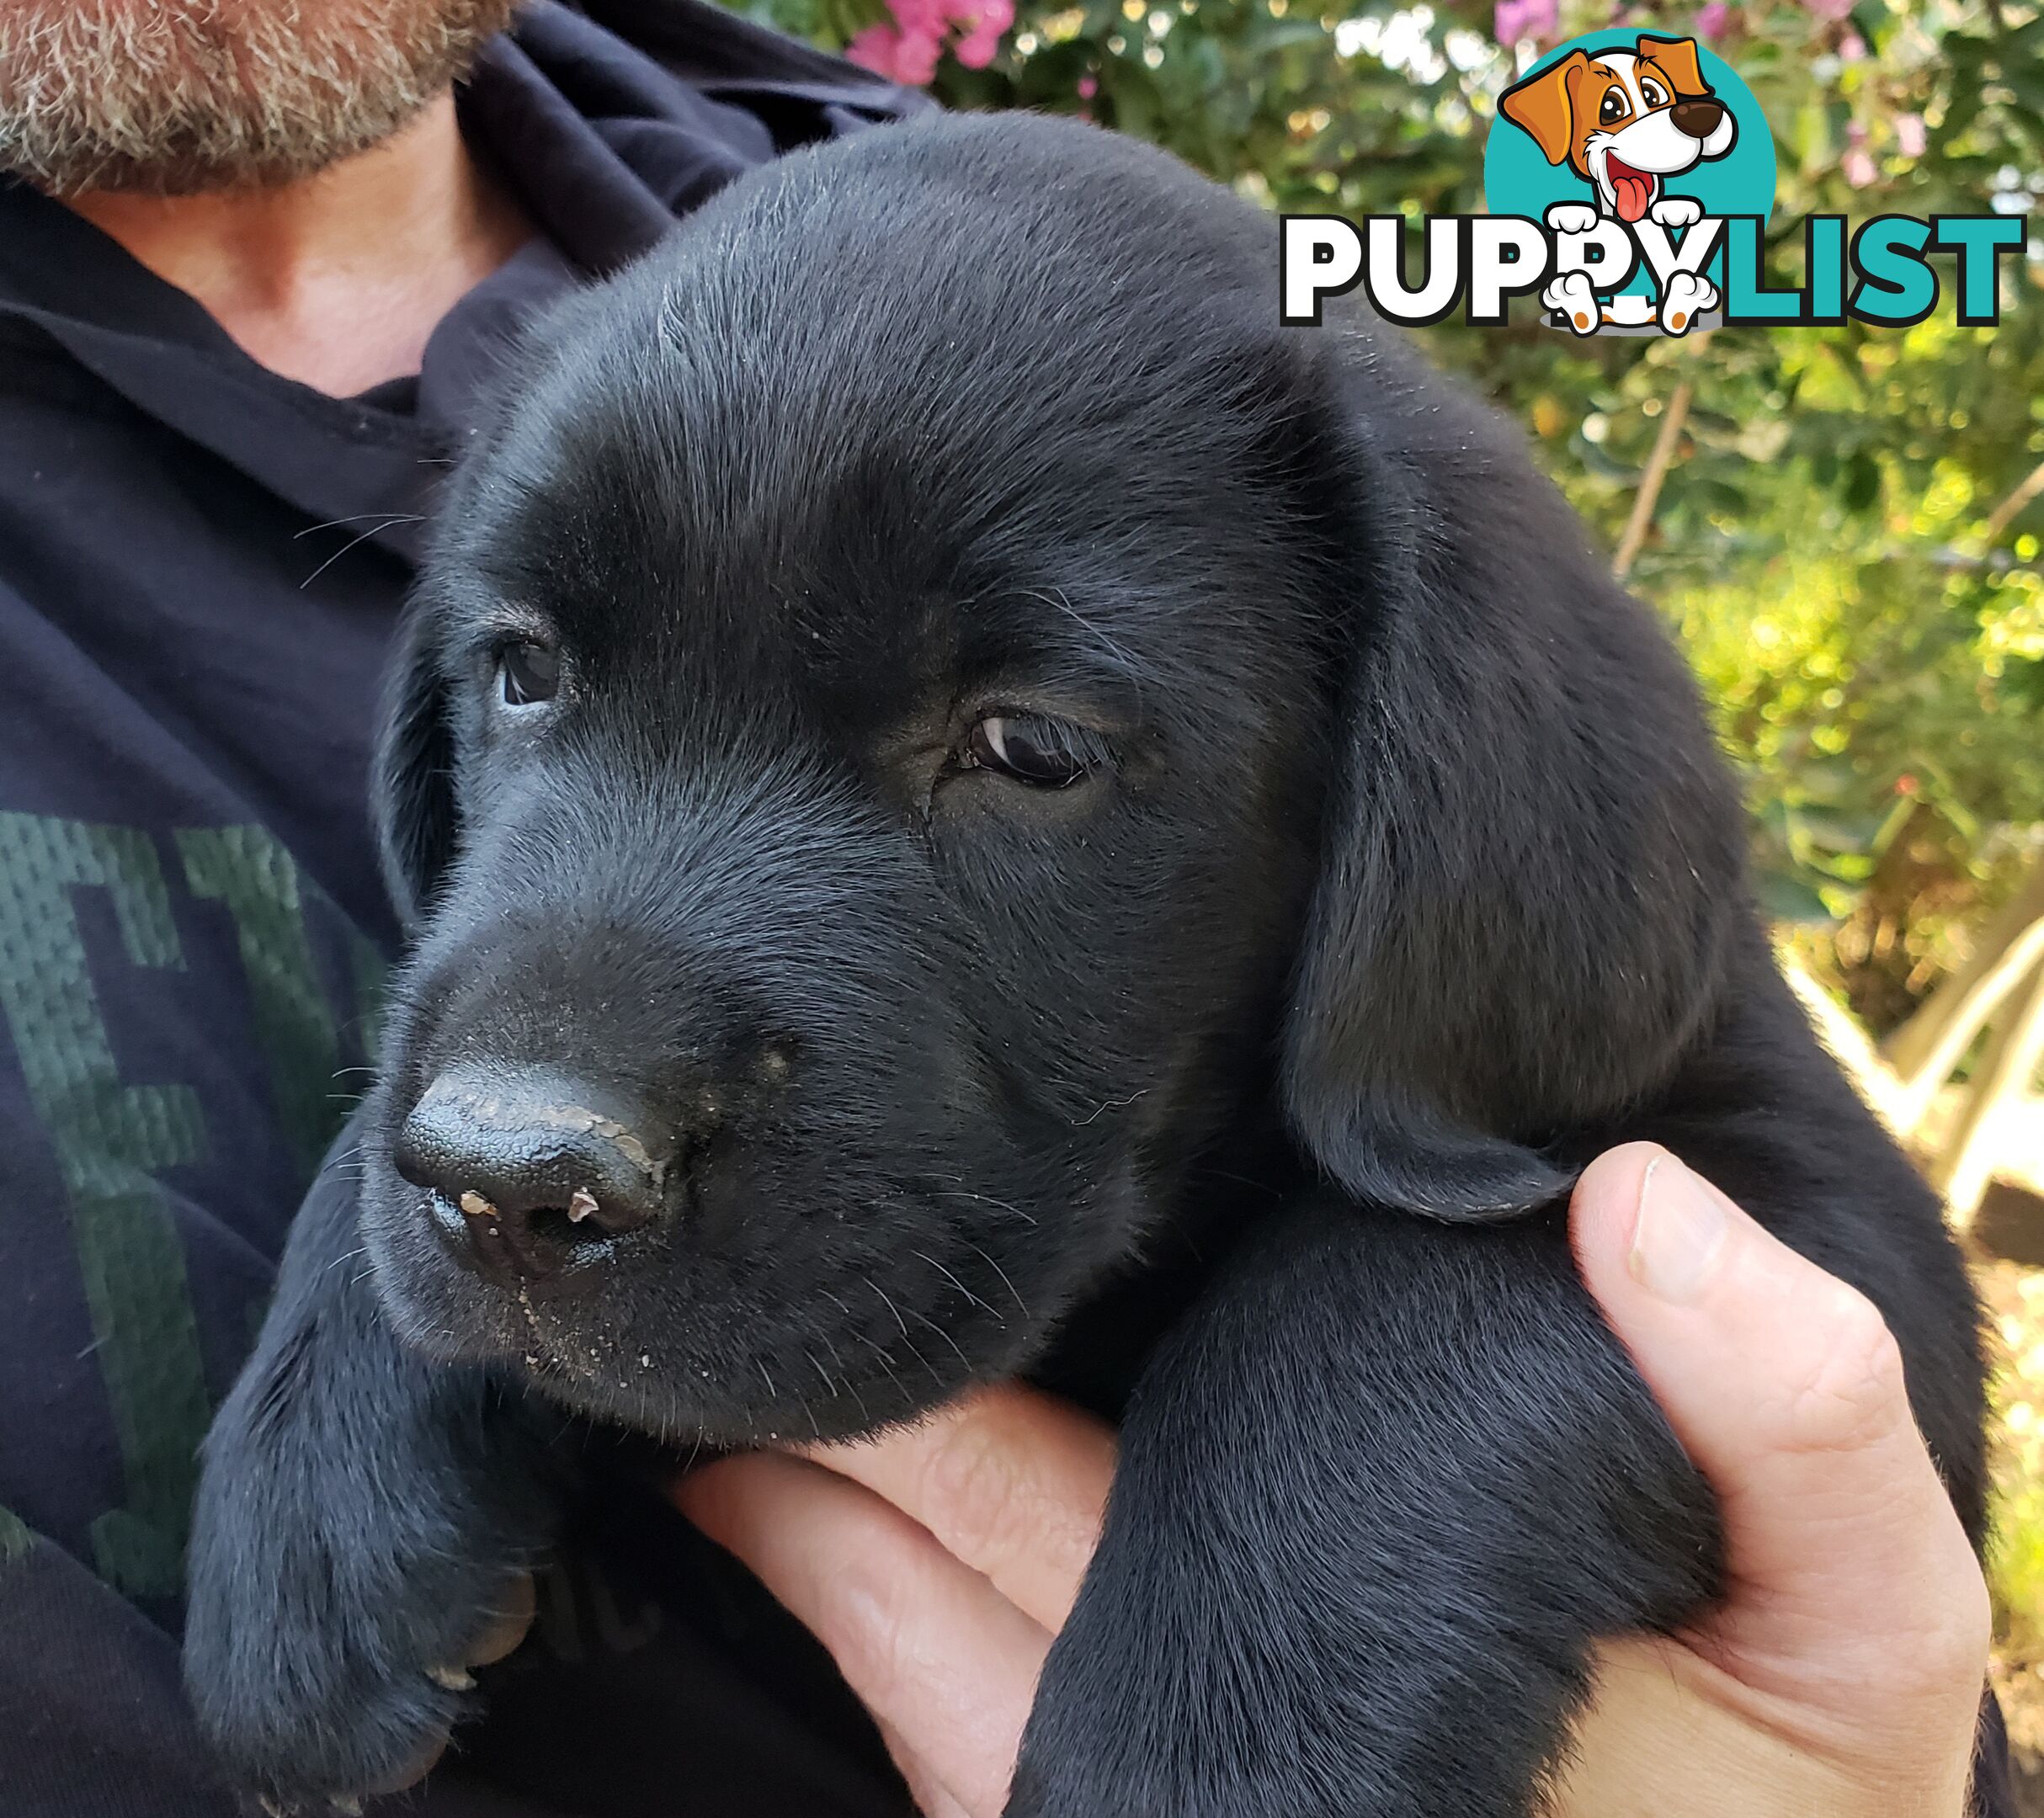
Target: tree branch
[[2004, 513], [1649, 493]]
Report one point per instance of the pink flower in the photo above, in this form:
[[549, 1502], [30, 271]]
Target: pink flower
[[1852, 48], [1859, 169], [1910, 135], [900, 56], [1832, 10], [874, 48], [1088, 87], [1713, 18], [983, 34], [916, 63], [907, 50], [1519, 19], [977, 47]]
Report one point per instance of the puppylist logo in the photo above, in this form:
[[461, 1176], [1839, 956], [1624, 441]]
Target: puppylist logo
[[1629, 177]]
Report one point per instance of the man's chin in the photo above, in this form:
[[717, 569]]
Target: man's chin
[[157, 100]]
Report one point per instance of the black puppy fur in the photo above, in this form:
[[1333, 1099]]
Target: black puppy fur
[[1232, 1087]]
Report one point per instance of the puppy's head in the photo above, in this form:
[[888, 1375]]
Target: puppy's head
[[1624, 119], [929, 706]]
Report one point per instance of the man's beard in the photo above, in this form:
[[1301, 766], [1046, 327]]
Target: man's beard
[[175, 97]]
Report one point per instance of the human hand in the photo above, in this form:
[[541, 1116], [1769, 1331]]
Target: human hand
[[1841, 1676], [935, 1563]]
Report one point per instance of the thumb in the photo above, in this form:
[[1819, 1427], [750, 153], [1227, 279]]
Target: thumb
[[1847, 1563]]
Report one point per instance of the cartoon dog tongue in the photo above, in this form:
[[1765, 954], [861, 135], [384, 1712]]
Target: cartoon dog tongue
[[1632, 190]]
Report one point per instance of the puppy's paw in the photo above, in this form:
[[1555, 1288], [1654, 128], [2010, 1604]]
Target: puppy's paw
[[326, 1699], [1570, 296], [1685, 297], [345, 1578], [1571, 217], [1676, 211]]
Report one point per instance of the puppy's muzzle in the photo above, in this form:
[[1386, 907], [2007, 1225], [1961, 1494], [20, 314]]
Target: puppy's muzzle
[[1698, 119], [532, 1171]]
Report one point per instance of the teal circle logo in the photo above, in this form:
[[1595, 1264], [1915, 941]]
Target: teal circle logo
[[1618, 134]]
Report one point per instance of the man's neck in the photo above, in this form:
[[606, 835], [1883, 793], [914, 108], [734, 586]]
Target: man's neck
[[338, 279]]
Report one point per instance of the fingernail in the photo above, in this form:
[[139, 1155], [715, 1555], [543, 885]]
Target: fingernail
[[1677, 1233]]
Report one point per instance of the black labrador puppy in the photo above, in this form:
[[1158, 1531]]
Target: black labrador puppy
[[970, 803]]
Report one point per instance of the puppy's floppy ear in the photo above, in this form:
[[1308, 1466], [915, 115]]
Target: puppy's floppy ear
[[1676, 59], [1545, 106], [411, 774], [1531, 866]]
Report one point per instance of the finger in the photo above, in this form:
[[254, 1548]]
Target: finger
[[937, 1655], [1786, 1389], [1656, 1702], [1010, 1482], [933, 1799]]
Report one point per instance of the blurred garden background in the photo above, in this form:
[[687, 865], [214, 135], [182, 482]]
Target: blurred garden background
[[1842, 525]]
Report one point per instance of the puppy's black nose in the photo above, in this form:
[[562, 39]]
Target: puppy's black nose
[[1697, 118], [532, 1167]]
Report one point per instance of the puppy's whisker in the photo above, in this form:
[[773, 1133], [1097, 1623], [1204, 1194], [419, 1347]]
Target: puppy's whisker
[[830, 1388], [960, 1285], [838, 1363], [1005, 1282], [885, 1363], [889, 1304], [851, 1389], [946, 1338], [915, 1352], [400, 518], [912, 1349], [336, 524], [981, 1198]]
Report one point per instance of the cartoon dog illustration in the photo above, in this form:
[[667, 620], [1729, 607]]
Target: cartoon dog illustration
[[1625, 121]]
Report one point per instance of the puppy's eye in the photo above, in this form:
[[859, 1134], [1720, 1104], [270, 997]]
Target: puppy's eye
[[1615, 107], [529, 673], [1033, 748], [1653, 94]]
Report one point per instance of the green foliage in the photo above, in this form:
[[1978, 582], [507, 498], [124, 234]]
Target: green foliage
[[1820, 543], [2015, 1299]]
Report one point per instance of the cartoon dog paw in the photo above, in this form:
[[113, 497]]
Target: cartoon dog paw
[[1686, 297], [1572, 217], [1571, 296], [1676, 211]]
